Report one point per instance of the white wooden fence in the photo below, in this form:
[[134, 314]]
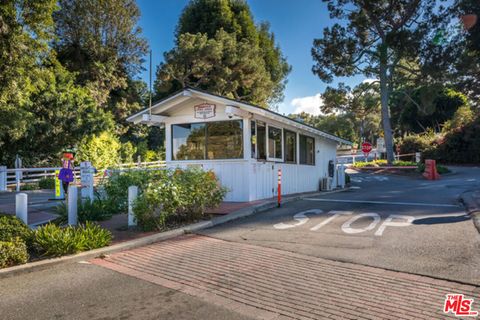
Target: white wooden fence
[[21, 176]]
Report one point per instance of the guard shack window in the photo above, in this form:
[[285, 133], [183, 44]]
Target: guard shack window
[[275, 144], [290, 146], [307, 150], [210, 140]]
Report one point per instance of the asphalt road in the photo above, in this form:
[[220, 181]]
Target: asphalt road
[[85, 291], [393, 222]]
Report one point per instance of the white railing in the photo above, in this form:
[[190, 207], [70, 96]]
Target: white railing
[[18, 177], [150, 164], [351, 159]]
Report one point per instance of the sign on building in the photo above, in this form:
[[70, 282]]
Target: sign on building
[[204, 111]]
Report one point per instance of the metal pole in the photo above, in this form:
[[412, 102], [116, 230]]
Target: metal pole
[[72, 203], [21, 207]]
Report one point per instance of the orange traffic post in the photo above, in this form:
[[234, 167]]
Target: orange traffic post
[[431, 170], [279, 189]]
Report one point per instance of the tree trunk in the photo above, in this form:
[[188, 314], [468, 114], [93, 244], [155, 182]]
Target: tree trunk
[[387, 127]]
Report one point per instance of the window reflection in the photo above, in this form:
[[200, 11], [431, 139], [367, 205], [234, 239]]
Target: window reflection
[[274, 143], [211, 140]]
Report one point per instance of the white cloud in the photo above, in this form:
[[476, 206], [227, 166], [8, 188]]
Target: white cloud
[[369, 80], [309, 104]]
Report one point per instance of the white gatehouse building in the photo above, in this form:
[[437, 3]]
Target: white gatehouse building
[[245, 145]]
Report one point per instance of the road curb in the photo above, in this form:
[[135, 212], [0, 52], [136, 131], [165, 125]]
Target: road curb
[[472, 206], [143, 241]]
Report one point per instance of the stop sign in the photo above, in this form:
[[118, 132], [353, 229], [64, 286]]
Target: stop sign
[[366, 147]]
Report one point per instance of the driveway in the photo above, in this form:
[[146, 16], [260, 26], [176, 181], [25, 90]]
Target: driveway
[[400, 223]]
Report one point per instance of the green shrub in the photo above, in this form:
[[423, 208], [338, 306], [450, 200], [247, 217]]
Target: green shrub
[[381, 162], [401, 163], [30, 186], [96, 210], [198, 190], [418, 143], [46, 183], [116, 187], [159, 201], [461, 145], [182, 195], [101, 150], [13, 252], [440, 169], [12, 228], [52, 240]]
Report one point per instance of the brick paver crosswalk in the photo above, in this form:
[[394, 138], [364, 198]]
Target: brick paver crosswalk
[[272, 284]]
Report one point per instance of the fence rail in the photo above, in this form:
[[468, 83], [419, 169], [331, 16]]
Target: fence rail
[[16, 177]]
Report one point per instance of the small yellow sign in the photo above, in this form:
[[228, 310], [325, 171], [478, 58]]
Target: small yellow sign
[[58, 192]]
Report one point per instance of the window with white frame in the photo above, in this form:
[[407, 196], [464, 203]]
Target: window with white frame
[[275, 144], [307, 150], [290, 142]]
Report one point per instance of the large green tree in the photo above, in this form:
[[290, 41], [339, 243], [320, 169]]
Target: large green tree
[[361, 104], [102, 43], [221, 65], [372, 38], [60, 113], [26, 27], [250, 52], [426, 108]]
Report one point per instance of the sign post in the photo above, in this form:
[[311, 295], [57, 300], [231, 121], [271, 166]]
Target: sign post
[[86, 179], [59, 192], [366, 149]]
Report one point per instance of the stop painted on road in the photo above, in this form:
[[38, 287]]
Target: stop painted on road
[[393, 220]]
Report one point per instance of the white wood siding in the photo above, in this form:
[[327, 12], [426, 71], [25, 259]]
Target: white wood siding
[[248, 179]]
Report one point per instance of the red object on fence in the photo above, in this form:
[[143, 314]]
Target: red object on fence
[[431, 170], [279, 189]]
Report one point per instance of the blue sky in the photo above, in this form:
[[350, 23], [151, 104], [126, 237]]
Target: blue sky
[[295, 24]]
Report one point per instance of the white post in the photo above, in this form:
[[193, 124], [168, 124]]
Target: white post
[[17, 180], [72, 203], [3, 178], [132, 196], [18, 172], [341, 176], [418, 156], [86, 179], [21, 207]]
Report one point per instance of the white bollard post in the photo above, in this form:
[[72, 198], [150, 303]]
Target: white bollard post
[[341, 176], [418, 157], [132, 196], [72, 205], [86, 179], [21, 207], [3, 178], [18, 172]]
